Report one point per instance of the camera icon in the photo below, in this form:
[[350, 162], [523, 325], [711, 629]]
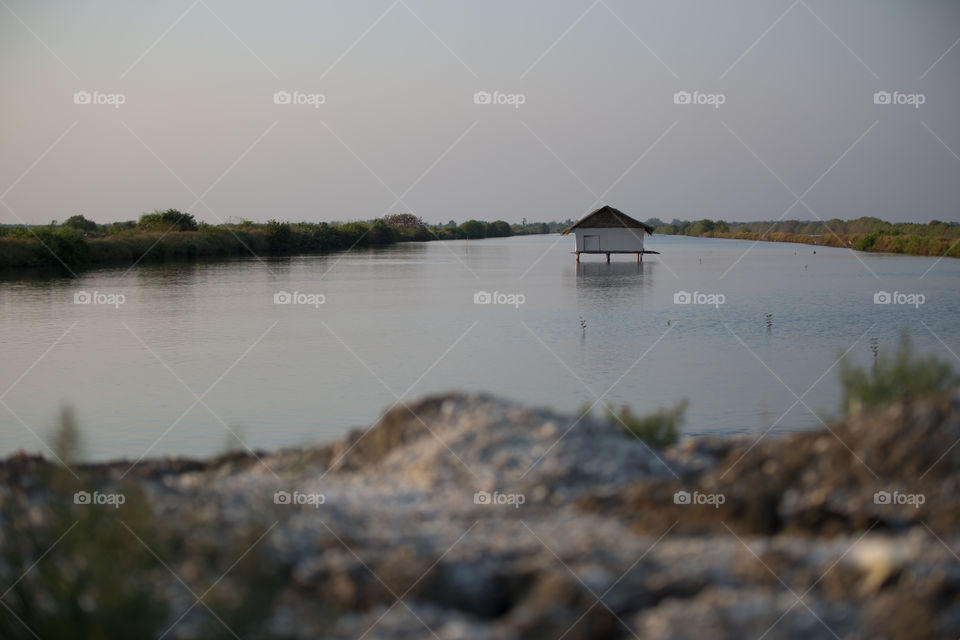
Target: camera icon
[[81, 497], [282, 97], [882, 297], [682, 97], [282, 297], [82, 97], [481, 497], [681, 497], [482, 97], [881, 497], [682, 297], [882, 97], [281, 497], [82, 297], [482, 297]]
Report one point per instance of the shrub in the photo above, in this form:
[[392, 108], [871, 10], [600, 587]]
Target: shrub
[[66, 243], [280, 237], [473, 229], [498, 229], [80, 223], [658, 429], [92, 572], [170, 219], [353, 234], [404, 221], [381, 234], [901, 376]]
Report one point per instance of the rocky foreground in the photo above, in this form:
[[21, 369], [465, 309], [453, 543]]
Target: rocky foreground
[[472, 517]]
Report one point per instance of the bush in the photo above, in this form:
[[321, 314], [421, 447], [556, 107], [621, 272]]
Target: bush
[[171, 219], [88, 572], [381, 234], [80, 223], [280, 237], [498, 229], [901, 376], [473, 229], [65, 243], [403, 221], [658, 429], [353, 234]]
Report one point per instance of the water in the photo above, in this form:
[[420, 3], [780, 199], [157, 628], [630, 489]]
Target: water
[[401, 322]]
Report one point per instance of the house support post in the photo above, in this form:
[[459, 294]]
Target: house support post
[[608, 257]]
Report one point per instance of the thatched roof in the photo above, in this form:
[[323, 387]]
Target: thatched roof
[[607, 216]]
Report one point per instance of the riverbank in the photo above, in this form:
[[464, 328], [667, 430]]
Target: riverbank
[[899, 244], [76, 248], [470, 517], [934, 239]]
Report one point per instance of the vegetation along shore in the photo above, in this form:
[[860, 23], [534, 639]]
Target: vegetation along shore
[[863, 234], [79, 242]]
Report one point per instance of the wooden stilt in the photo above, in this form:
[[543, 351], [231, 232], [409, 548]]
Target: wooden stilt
[[638, 257], [577, 254], [608, 257]]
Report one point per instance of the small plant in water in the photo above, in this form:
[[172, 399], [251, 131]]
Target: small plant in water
[[875, 350], [769, 320], [583, 324], [904, 375], [658, 429]]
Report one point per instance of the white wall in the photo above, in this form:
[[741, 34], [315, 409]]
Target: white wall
[[613, 238]]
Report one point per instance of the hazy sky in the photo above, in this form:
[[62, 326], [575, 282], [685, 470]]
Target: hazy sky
[[399, 129]]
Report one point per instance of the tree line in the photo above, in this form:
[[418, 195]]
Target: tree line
[[172, 234]]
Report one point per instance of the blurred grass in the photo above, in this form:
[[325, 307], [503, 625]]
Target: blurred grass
[[901, 375], [95, 571]]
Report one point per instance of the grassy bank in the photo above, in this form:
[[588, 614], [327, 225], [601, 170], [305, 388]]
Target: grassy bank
[[173, 235], [863, 234]]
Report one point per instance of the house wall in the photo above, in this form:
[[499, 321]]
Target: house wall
[[612, 238]]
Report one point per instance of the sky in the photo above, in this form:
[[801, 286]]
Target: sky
[[542, 109]]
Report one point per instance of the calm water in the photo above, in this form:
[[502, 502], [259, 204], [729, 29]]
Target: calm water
[[402, 322]]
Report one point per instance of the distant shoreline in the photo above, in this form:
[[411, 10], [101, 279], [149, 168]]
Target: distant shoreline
[[894, 245], [68, 249]]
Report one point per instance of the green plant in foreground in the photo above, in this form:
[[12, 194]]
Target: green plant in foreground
[[658, 429], [73, 567], [903, 375]]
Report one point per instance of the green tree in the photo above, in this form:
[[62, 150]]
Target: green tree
[[171, 219], [701, 227], [498, 229], [473, 229], [80, 223]]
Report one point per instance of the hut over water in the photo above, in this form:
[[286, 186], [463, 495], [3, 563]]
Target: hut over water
[[608, 230]]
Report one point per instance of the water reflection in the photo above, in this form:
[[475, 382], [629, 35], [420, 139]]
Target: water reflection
[[617, 275]]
